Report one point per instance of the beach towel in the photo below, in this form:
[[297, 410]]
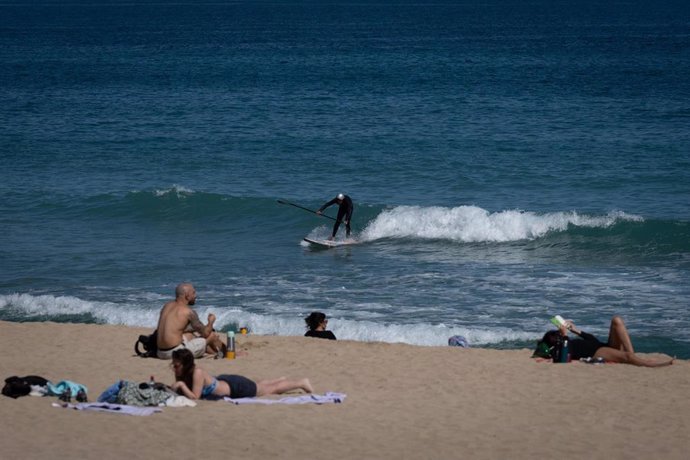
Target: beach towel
[[111, 408], [328, 398], [57, 389]]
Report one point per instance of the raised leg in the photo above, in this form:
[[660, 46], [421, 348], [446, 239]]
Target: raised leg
[[618, 335]]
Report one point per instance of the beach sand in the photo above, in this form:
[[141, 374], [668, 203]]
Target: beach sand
[[403, 402]]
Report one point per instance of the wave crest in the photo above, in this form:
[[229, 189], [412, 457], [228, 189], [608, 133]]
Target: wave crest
[[470, 224]]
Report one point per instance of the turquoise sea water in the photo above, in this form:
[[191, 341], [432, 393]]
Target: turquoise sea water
[[508, 161]]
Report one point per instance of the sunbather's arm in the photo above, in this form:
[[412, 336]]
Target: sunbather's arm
[[197, 385], [182, 388]]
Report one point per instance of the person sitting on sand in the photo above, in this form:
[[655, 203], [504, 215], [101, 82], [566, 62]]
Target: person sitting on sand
[[195, 383], [317, 323], [618, 348], [179, 327]]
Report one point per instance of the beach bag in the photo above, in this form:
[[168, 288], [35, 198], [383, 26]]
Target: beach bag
[[552, 349], [149, 345], [543, 350], [142, 394]]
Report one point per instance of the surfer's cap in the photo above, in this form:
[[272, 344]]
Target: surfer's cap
[[341, 196]]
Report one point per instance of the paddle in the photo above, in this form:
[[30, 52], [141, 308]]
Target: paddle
[[306, 209]]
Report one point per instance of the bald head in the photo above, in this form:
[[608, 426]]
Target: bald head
[[186, 292]]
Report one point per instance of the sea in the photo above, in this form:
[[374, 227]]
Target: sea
[[508, 160]]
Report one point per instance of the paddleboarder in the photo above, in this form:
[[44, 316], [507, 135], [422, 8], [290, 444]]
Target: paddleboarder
[[345, 209]]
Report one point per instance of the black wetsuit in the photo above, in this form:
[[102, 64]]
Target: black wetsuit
[[345, 210], [321, 334], [585, 346]]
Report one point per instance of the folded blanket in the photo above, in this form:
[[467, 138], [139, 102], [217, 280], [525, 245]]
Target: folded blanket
[[112, 408], [328, 398]]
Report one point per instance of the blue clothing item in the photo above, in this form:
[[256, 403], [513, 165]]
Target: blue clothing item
[[63, 385], [110, 393], [207, 391]]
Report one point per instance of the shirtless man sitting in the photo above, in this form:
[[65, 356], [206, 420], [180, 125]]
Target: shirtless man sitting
[[178, 324]]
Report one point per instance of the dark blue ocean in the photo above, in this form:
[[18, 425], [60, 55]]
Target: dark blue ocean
[[509, 160]]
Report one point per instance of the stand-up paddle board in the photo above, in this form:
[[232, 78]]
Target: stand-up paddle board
[[329, 243]]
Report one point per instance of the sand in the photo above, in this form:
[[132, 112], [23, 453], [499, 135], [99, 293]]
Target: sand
[[403, 402]]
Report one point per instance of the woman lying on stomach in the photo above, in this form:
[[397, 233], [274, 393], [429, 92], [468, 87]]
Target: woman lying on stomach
[[195, 383]]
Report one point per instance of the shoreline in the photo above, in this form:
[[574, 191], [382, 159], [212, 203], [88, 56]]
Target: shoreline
[[403, 401]]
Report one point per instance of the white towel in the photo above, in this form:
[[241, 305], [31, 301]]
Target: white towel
[[179, 401], [328, 398], [112, 408]]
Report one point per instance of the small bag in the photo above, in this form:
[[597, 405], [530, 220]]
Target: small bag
[[546, 351], [542, 350], [149, 343]]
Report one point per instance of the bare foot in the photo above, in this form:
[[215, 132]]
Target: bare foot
[[306, 385]]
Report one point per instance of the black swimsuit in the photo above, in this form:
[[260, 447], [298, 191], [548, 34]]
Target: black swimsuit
[[321, 334], [584, 347], [240, 387]]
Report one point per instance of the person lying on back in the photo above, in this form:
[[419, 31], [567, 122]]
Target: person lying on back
[[179, 327], [617, 349]]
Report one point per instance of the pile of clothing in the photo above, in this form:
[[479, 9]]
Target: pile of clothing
[[36, 385]]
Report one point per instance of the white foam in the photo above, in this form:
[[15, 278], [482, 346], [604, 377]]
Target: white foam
[[107, 312], [284, 324], [474, 224], [178, 190], [369, 331]]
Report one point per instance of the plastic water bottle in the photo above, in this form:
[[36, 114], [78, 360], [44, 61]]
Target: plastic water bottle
[[230, 352], [564, 351]]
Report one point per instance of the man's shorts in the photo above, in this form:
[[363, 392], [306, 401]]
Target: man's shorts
[[197, 346]]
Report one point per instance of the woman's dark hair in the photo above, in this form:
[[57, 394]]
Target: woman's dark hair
[[314, 319], [186, 358], [552, 338]]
